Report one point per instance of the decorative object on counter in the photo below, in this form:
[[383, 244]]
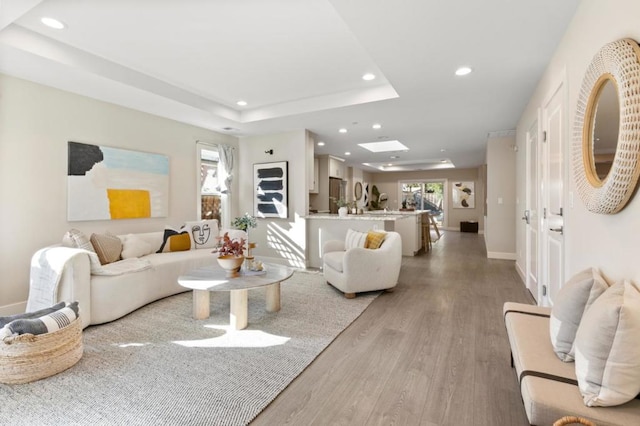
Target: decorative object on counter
[[464, 196], [343, 209], [375, 197], [230, 255]]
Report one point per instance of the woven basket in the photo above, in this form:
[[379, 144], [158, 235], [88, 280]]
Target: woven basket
[[27, 357], [572, 420]]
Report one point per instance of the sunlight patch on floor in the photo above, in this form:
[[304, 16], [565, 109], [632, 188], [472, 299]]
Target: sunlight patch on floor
[[236, 339]]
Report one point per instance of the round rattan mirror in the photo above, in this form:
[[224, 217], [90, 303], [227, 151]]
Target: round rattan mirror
[[357, 190], [607, 188]]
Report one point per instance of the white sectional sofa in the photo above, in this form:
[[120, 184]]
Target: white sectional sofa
[[104, 298]]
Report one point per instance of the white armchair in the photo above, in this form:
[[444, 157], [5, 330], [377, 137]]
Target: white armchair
[[359, 269]]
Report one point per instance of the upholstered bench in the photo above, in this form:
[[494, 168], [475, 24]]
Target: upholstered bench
[[549, 386]]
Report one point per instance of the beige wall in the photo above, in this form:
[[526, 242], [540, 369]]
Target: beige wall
[[499, 234], [609, 242], [388, 182], [35, 124], [281, 240]]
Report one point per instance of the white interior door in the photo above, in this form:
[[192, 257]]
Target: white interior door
[[531, 216], [554, 122]]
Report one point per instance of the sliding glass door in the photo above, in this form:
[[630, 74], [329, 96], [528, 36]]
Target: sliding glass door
[[425, 195]]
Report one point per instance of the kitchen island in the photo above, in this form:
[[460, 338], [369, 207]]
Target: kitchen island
[[324, 227]]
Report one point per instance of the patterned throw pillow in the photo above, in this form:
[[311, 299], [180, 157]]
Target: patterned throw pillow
[[203, 233], [44, 324], [107, 246], [355, 239], [175, 241], [77, 239], [375, 239]]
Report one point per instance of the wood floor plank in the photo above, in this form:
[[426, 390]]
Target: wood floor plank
[[433, 352]]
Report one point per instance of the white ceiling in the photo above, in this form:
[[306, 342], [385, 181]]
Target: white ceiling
[[298, 64]]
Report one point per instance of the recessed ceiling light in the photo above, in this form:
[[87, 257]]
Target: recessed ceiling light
[[52, 23], [384, 146], [343, 130], [390, 164], [443, 150], [443, 161], [463, 71], [368, 77], [394, 157], [347, 153], [320, 143], [377, 126], [241, 103]]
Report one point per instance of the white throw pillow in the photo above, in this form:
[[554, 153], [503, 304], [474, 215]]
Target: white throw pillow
[[570, 304], [203, 233], [134, 246], [607, 348], [354, 239]]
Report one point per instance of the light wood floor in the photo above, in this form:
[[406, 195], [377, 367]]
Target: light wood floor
[[433, 352]]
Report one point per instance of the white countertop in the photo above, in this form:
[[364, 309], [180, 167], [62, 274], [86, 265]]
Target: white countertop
[[365, 216]]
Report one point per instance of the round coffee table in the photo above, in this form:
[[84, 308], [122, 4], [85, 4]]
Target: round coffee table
[[213, 278]]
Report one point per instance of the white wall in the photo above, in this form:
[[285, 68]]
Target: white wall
[[281, 240], [606, 241], [500, 225], [36, 122]]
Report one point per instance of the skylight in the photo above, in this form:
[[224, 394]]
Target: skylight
[[385, 146]]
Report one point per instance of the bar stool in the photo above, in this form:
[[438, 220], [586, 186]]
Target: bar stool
[[426, 233]]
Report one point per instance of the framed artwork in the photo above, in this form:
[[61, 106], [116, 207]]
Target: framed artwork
[[464, 195], [106, 183], [270, 184]]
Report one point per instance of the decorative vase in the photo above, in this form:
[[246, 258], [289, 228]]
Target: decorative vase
[[231, 264], [342, 212]]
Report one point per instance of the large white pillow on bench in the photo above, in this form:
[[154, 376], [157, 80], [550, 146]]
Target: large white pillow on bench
[[573, 299], [607, 347]]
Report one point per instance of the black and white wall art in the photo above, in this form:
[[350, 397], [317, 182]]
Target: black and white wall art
[[270, 186]]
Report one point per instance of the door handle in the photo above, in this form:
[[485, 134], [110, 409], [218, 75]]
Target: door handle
[[557, 229], [526, 216]]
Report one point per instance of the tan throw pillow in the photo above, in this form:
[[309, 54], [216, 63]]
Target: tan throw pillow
[[107, 246], [606, 347], [572, 301], [375, 239], [175, 241]]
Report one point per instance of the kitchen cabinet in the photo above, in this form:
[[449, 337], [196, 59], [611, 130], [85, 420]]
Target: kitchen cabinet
[[336, 168]]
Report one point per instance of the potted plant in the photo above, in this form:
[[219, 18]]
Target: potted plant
[[230, 255], [342, 206], [244, 223]]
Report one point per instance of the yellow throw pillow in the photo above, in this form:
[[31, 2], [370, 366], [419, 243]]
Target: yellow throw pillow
[[374, 239], [175, 241]]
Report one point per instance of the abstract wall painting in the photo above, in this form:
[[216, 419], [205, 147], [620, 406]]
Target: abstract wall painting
[[464, 195], [270, 185], [106, 183]]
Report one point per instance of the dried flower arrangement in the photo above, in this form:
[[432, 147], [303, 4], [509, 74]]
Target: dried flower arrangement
[[230, 247]]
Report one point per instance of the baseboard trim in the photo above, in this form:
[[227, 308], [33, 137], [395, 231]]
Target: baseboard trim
[[16, 308], [503, 256]]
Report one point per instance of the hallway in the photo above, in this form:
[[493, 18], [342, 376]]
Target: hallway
[[433, 352]]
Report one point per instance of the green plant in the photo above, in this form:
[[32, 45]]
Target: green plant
[[339, 202], [245, 222], [230, 247]]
